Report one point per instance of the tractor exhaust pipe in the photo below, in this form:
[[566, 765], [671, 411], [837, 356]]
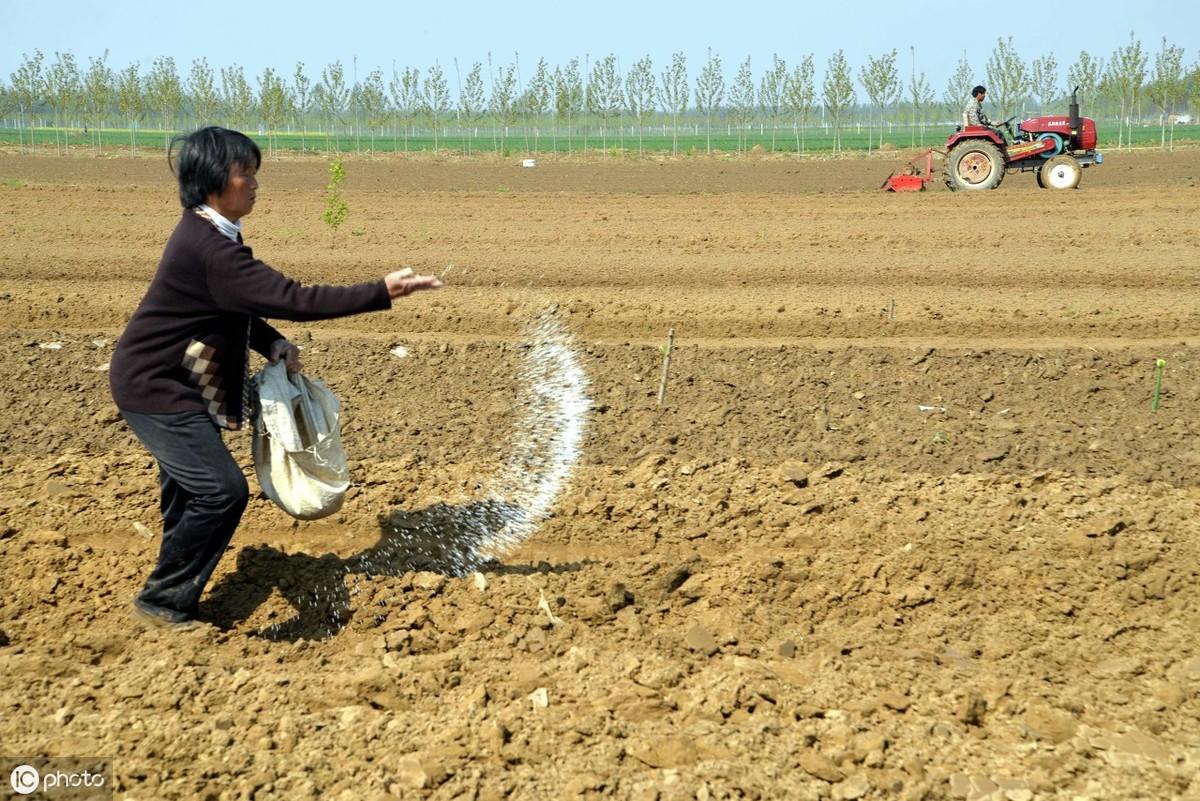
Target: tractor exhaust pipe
[[1074, 114]]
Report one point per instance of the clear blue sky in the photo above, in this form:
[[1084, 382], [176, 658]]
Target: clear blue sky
[[278, 34]]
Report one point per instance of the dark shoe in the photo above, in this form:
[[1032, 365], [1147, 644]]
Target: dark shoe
[[162, 618]]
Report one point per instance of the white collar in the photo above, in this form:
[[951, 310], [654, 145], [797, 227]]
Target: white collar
[[227, 228]]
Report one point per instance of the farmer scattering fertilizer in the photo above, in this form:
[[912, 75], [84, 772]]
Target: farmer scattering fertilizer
[[178, 373]]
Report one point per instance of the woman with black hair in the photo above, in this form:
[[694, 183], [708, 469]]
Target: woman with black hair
[[179, 371]]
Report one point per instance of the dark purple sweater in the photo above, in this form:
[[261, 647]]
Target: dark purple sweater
[[185, 347]]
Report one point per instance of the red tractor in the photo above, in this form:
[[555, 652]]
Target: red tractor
[[1055, 149]]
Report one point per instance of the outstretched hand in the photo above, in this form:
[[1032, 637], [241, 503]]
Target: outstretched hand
[[403, 282]]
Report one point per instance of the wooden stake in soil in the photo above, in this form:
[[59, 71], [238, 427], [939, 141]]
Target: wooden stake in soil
[[662, 384], [892, 310]]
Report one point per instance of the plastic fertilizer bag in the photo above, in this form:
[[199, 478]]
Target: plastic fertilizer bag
[[297, 447]]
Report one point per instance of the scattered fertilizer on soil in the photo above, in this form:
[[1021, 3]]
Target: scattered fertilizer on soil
[[545, 445], [456, 539], [548, 437]]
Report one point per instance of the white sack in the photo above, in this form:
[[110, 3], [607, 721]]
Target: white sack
[[298, 453]]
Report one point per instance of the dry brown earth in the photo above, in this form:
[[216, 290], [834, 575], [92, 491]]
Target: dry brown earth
[[791, 581]]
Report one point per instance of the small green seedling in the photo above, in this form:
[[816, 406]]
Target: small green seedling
[[1159, 366], [336, 210]]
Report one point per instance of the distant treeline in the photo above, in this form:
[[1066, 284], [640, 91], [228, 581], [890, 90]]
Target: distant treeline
[[591, 104]]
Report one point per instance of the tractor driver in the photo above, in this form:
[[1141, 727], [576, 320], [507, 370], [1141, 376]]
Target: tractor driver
[[973, 113]]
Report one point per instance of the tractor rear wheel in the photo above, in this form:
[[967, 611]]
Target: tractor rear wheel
[[974, 164], [1060, 172]]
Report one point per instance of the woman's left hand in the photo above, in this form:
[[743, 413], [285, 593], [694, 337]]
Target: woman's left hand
[[290, 354]]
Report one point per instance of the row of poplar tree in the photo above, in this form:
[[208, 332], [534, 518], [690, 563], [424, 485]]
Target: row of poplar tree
[[592, 97]]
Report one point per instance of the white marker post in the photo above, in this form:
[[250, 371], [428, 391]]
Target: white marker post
[[662, 385]]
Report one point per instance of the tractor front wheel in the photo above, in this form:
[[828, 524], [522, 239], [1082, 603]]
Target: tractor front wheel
[[1060, 172], [974, 164]]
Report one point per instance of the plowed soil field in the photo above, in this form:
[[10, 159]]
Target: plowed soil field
[[905, 527]]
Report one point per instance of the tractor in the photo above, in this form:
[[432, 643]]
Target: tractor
[[1055, 149]]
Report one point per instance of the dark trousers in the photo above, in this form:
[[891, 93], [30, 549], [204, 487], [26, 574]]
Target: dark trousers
[[203, 496]]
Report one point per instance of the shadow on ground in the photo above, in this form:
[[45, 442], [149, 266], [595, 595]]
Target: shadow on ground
[[443, 538]]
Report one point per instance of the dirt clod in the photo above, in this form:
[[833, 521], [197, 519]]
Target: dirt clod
[[418, 772], [795, 473], [45, 536], [619, 597], [701, 640], [816, 764]]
